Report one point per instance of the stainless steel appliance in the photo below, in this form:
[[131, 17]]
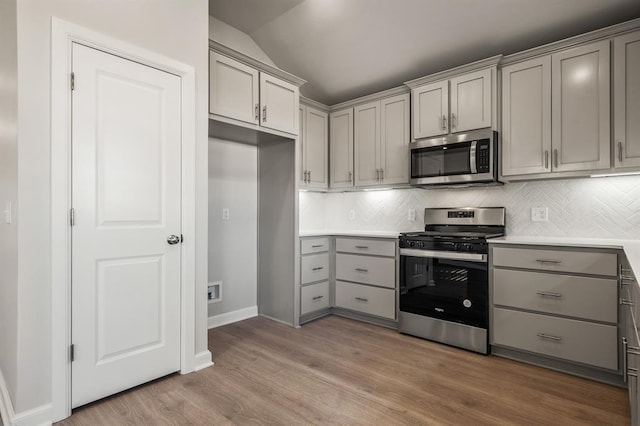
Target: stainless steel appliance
[[464, 158], [444, 280]]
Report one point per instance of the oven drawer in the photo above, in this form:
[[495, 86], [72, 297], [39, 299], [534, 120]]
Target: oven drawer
[[314, 267], [556, 260], [572, 340], [369, 300], [574, 296], [314, 245], [314, 297], [363, 246], [366, 269]]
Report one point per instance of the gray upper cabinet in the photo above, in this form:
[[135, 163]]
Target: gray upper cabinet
[[459, 104], [580, 136], [382, 142], [627, 100], [341, 148], [314, 135], [526, 112]]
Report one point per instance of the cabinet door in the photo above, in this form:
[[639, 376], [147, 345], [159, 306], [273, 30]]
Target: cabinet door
[[367, 144], [279, 103], [233, 89], [430, 110], [341, 148], [316, 138], [394, 143], [302, 145], [471, 101], [526, 117], [627, 100], [580, 105]]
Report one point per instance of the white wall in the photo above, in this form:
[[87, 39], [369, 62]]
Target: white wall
[[599, 208], [225, 34], [233, 246], [174, 28], [8, 193]]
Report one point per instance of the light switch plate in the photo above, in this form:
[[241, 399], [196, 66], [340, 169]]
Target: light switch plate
[[539, 214], [352, 215], [7, 213]]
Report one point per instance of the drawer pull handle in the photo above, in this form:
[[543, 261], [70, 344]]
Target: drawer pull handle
[[318, 268], [625, 359], [362, 299], [549, 294], [317, 246], [549, 337], [627, 278], [362, 247], [361, 270], [549, 261], [317, 297], [626, 302]]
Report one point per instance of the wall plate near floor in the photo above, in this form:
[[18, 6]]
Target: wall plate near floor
[[214, 292]]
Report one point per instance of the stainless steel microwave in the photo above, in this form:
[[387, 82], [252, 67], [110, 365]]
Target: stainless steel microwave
[[463, 158]]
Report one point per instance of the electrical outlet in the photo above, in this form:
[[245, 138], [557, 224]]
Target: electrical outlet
[[539, 214], [411, 215], [225, 213], [352, 215]]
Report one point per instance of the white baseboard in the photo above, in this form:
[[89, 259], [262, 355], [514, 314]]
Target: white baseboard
[[39, 416], [6, 407], [234, 316], [202, 361]]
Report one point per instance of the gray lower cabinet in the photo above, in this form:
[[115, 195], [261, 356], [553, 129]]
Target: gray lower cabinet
[[366, 299], [630, 300], [314, 276], [557, 306]]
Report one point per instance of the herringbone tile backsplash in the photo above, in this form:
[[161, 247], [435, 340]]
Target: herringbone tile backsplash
[[599, 208]]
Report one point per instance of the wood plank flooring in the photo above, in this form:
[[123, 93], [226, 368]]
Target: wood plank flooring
[[338, 371]]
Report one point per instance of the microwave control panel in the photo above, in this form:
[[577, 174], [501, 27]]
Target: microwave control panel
[[483, 158]]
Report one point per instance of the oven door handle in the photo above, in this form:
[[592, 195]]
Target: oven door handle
[[451, 255]]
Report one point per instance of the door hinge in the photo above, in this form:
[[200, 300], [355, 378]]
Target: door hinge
[[181, 238], [72, 353], [72, 217], [73, 81]]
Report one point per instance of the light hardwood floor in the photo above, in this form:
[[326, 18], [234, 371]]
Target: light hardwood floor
[[339, 371]]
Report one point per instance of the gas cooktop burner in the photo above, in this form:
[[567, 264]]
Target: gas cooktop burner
[[462, 235]]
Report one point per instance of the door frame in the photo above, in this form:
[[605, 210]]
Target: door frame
[[63, 35]]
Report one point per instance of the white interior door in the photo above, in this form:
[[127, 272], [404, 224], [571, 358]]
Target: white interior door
[[126, 180]]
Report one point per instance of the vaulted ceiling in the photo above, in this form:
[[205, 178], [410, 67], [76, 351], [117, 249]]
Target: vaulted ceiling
[[350, 48]]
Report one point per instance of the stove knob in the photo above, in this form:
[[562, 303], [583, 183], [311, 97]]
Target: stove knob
[[468, 247], [412, 243]]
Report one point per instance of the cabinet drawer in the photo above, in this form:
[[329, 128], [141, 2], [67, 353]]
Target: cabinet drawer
[[314, 297], [314, 267], [582, 297], [366, 269], [572, 340], [556, 260], [362, 246], [370, 300], [314, 245]]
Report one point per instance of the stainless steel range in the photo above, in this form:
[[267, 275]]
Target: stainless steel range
[[444, 280]]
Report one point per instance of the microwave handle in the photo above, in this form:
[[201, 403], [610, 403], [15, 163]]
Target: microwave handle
[[472, 157]]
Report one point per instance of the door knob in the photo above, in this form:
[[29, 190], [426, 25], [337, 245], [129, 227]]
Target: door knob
[[173, 239]]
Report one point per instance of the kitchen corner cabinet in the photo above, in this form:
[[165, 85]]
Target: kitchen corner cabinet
[[381, 141], [626, 69], [555, 112], [459, 104], [341, 148], [314, 137], [240, 92]]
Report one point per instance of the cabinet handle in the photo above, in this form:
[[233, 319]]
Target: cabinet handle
[[361, 270], [555, 262], [444, 122], [381, 175], [350, 175], [317, 246], [625, 359], [378, 175], [362, 247], [626, 302], [362, 299], [264, 114], [257, 112], [620, 152], [454, 122], [555, 158], [549, 337], [546, 159], [549, 294], [317, 268], [317, 297]]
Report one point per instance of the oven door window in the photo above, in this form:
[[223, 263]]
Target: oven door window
[[453, 290], [442, 160]]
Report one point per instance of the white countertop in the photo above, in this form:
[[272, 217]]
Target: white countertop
[[631, 247], [349, 233]]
